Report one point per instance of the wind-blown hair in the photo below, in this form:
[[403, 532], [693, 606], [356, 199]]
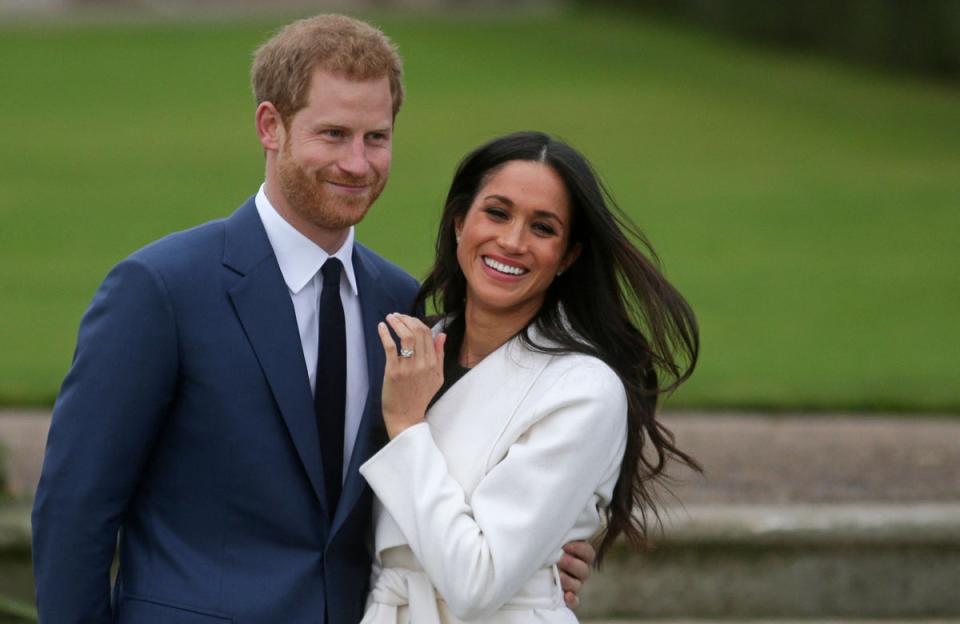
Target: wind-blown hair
[[612, 303]]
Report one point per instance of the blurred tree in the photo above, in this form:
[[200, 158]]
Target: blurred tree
[[922, 35]]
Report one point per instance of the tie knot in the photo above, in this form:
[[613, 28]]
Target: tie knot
[[331, 272]]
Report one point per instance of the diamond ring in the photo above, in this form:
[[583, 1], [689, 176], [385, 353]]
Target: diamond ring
[[406, 353]]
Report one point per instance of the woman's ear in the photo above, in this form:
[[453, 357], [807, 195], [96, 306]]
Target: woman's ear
[[457, 228], [571, 256]]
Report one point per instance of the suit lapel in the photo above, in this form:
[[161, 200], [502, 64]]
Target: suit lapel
[[375, 304], [262, 302]]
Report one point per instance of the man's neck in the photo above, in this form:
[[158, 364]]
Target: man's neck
[[328, 240]]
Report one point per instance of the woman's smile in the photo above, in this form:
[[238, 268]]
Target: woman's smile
[[503, 268], [514, 238]]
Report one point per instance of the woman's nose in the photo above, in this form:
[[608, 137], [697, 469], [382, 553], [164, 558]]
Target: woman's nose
[[512, 238]]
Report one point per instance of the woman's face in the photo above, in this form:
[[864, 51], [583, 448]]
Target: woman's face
[[514, 238]]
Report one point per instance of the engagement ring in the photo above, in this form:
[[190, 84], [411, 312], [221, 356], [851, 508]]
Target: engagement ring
[[406, 353]]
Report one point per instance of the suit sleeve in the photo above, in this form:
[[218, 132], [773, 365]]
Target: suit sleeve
[[104, 423], [478, 554]]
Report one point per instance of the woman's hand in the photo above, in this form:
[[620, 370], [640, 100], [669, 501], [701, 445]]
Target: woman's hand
[[413, 375]]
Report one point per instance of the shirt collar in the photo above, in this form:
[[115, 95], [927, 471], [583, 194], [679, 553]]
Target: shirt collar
[[299, 257]]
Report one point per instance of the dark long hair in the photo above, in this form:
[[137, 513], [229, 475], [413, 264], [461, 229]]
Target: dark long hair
[[613, 297]]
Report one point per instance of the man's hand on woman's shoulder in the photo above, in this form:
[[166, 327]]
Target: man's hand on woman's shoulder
[[575, 565]]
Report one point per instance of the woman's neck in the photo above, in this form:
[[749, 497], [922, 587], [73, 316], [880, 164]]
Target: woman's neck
[[485, 330]]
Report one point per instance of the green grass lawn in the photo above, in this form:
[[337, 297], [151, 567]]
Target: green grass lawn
[[808, 209]]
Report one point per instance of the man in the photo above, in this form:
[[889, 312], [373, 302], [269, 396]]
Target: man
[[226, 382]]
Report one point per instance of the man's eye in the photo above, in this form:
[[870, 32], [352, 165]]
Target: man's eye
[[333, 133], [378, 137]]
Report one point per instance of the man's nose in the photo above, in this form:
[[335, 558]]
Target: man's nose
[[354, 161]]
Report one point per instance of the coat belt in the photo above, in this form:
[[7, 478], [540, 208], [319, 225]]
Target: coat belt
[[396, 587], [399, 587]]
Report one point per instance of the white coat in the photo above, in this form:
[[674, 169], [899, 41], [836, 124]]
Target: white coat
[[474, 505]]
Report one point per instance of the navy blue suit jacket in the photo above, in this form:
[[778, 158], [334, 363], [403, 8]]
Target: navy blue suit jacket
[[186, 423]]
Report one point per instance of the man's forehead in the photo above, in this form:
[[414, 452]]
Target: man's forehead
[[368, 100], [322, 75]]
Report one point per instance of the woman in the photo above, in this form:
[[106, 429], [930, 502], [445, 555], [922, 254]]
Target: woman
[[557, 337]]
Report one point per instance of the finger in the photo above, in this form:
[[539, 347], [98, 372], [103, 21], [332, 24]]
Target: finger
[[584, 551], [439, 342], [429, 346], [407, 339], [571, 599], [411, 322], [433, 359], [411, 325], [570, 584], [389, 346], [573, 567], [423, 338], [433, 356]]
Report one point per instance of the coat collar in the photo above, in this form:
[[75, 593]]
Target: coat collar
[[300, 258], [503, 377], [262, 303]]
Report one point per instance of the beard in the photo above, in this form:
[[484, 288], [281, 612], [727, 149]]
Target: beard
[[314, 200]]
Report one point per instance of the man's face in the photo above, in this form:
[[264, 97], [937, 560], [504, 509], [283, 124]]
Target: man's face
[[335, 155]]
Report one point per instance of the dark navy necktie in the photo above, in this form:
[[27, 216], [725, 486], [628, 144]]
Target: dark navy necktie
[[330, 395]]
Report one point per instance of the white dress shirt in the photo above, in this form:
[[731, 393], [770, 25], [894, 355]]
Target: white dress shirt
[[300, 260]]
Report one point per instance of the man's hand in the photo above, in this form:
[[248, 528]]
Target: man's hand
[[574, 566]]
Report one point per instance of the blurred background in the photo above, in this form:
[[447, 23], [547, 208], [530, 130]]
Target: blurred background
[[795, 164]]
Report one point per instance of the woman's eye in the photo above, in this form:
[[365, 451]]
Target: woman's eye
[[496, 213], [544, 229]]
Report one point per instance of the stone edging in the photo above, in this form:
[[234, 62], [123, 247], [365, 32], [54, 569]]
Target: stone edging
[[928, 523], [721, 524]]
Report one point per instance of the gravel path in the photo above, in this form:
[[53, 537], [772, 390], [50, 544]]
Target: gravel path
[[751, 458], [799, 458]]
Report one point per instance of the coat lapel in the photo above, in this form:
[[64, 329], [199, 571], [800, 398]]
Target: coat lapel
[[375, 304], [498, 383], [472, 421], [262, 302]]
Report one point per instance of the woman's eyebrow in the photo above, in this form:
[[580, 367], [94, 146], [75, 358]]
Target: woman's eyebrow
[[540, 214]]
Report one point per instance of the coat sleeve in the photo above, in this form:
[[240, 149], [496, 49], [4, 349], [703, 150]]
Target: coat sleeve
[[479, 553], [106, 418]]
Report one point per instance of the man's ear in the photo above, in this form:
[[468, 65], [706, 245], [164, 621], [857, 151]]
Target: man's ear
[[571, 256], [270, 128]]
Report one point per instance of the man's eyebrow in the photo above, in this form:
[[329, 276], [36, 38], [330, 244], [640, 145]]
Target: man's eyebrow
[[332, 125], [326, 125]]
